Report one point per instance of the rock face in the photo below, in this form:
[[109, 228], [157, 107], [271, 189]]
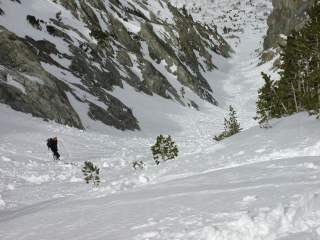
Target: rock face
[[25, 86], [287, 15], [62, 59]]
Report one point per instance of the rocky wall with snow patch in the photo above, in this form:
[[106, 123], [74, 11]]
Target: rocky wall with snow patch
[[64, 58], [287, 15]]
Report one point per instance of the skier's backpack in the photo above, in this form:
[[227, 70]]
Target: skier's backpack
[[49, 142]]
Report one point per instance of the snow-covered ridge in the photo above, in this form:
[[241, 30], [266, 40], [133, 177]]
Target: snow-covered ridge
[[92, 54], [231, 18]]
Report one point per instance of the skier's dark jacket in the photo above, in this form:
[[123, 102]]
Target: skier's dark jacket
[[53, 144]]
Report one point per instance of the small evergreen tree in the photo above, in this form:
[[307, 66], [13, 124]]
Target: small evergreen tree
[[231, 125], [264, 103], [138, 165], [164, 148], [91, 173]]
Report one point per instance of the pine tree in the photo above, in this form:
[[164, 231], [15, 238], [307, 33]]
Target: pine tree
[[265, 102], [138, 164], [91, 173], [231, 125], [311, 36], [301, 66], [289, 88], [165, 149]]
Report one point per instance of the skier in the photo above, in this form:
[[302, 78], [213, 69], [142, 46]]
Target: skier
[[52, 144]]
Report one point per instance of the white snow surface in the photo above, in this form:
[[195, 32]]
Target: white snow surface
[[262, 184]]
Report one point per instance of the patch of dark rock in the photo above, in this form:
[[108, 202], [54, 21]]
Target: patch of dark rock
[[2, 12], [35, 22], [52, 30], [194, 105], [92, 76], [117, 115], [136, 13]]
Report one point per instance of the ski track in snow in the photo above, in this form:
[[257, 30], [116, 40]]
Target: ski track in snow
[[258, 185]]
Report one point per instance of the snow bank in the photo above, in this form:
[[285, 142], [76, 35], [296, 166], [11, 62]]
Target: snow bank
[[267, 225], [37, 179]]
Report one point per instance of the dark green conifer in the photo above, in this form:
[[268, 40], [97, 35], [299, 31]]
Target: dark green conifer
[[265, 102], [91, 173], [231, 125], [164, 149]]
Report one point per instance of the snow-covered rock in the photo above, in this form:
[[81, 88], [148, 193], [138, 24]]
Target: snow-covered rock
[[77, 62]]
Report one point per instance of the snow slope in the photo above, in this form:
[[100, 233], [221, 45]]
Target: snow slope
[[239, 78], [258, 185]]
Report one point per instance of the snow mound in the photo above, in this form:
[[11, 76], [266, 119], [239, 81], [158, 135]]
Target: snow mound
[[283, 221], [2, 203], [37, 179], [5, 159]]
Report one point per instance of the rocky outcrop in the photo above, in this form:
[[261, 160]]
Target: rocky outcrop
[[287, 15], [25, 86], [87, 48]]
